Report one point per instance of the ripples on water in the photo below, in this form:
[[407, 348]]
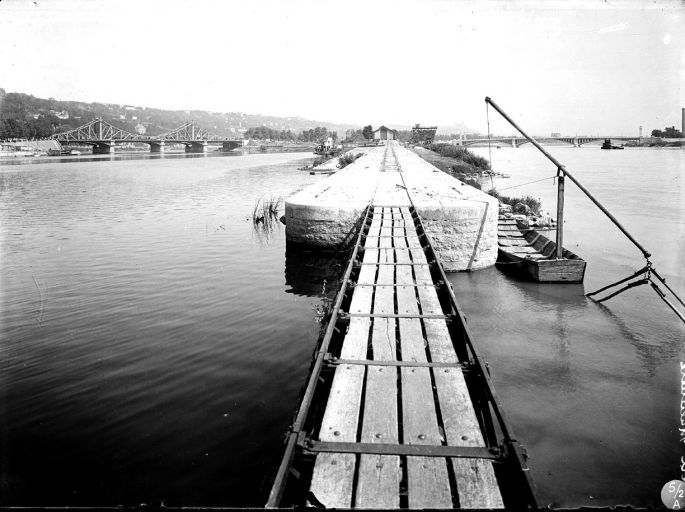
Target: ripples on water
[[154, 347], [154, 344], [593, 390]]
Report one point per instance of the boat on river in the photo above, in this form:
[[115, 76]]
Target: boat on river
[[608, 145], [531, 255]]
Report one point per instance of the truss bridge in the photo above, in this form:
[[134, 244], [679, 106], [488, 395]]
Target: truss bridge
[[515, 142], [104, 136]]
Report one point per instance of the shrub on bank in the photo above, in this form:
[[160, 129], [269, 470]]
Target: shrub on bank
[[529, 202], [468, 180], [319, 160], [347, 159], [460, 153]]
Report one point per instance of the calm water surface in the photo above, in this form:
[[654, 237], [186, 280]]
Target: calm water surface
[[593, 390], [154, 343]]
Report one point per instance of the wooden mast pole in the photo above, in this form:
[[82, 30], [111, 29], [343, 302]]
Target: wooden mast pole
[[560, 216], [563, 172]]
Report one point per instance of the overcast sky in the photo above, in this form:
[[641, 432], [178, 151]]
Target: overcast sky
[[593, 67]]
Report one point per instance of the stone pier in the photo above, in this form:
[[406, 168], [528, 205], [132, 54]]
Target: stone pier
[[196, 147], [461, 220], [157, 147], [103, 148]]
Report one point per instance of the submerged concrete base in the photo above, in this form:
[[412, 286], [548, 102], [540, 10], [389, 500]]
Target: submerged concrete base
[[461, 220]]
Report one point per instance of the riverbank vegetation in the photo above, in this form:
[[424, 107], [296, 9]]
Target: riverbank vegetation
[[456, 161], [463, 155], [265, 211], [460, 163], [669, 132], [312, 135], [527, 205], [347, 159]]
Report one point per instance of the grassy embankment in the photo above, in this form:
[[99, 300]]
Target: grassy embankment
[[466, 167]]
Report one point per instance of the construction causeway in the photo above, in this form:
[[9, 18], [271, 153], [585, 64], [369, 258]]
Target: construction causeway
[[398, 410], [461, 219]]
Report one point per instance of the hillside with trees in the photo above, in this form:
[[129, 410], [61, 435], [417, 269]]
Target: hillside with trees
[[25, 116]]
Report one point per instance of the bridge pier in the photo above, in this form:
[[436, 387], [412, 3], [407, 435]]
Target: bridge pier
[[157, 147], [103, 148], [513, 143], [230, 145], [196, 147]]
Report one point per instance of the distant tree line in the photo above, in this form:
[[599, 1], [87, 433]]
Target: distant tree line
[[668, 133], [317, 134], [262, 132], [28, 129], [365, 133]]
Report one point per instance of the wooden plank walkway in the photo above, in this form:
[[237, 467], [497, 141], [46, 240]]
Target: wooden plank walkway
[[386, 418], [399, 404]]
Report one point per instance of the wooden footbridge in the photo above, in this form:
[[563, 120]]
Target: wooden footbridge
[[398, 410]]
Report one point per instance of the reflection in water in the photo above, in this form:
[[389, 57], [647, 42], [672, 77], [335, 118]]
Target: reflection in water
[[564, 295], [135, 155], [115, 157], [651, 352], [149, 350], [306, 270]]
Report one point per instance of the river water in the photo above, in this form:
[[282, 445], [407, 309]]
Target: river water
[[155, 342]]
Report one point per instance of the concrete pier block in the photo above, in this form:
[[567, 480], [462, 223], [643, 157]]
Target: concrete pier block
[[103, 148], [230, 145], [461, 220], [157, 147], [196, 147]]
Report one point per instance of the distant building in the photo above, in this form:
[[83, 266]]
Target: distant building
[[556, 134], [384, 133], [60, 115], [140, 129], [423, 134]]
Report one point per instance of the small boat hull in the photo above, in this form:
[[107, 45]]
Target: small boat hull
[[532, 256]]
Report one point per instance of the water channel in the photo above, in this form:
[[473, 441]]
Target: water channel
[[154, 342]]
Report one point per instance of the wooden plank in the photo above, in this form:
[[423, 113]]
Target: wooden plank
[[383, 332], [427, 479], [333, 476], [379, 478], [413, 239], [476, 482], [367, 273], [378, 484], [423, 275]]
